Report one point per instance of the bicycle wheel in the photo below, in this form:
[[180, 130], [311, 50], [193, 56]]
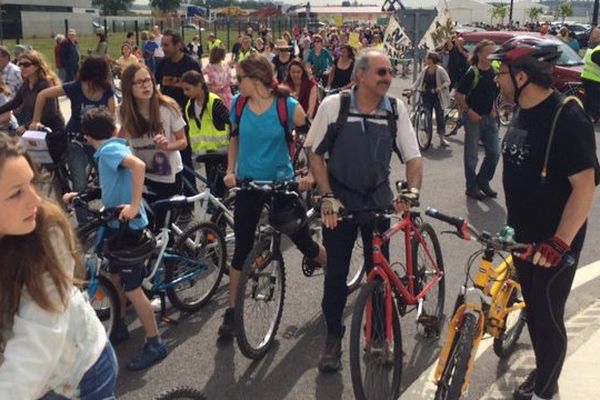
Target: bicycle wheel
[[200, 272], [453, 122], [421, 124], [259, 302], [514, 322], [300, 161], [425, 254], [453, 377], [375, 366], [226, 227], [356, 271], [181, 393], [104, 299]]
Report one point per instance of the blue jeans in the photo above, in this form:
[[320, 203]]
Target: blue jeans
[[98, 382], [487, 131], [79, 156]]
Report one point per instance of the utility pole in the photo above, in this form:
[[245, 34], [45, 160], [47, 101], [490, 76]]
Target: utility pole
[[510, 14], [595, 15]]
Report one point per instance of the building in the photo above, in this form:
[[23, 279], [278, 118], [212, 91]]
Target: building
[[45, 18], [339, 15]]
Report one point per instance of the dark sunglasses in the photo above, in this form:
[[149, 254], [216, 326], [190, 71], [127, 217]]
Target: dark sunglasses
[[25, 64], [384, 71]]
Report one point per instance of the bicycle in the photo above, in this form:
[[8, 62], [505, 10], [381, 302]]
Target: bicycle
[[420, 118], [323, 91], [375, 336], [490, 303], [574, 89], [453, 119]]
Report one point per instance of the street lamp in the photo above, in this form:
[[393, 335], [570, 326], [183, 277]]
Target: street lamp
[[595, 15]]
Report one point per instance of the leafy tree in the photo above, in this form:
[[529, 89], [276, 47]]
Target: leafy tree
[[501, 12], [165, 5], [535, 12], [345, 4], [564, 10], [112, 7]]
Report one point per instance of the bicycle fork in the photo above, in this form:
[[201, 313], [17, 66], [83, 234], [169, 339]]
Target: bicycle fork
[[472, 305], [374, 274]]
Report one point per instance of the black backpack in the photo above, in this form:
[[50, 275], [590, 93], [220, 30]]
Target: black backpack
[[336, 127]]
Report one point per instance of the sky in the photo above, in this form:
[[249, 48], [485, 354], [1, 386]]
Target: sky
[[312, 2]]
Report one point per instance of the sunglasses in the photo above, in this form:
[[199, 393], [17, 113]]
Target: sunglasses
[[384, 71], [25, 64]]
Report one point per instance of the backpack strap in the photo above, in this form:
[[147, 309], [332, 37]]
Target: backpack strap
[[392, 118], [239, 108], [343, 115], [476, 76], [282, 113]]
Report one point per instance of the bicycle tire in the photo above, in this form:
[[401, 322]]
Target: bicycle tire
[[226, 228], [506, 344], [453, 376], [181, 393], [424, 135], [199, 241], [260, 269], [356, 269], [378, 361], [423, 271], [106, 313], [453, 121]]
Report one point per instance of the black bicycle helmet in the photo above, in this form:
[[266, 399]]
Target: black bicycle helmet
[[532, 54], [287, 213], [129, 247]]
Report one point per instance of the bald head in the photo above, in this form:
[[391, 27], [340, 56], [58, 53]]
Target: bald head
[[595, 37]]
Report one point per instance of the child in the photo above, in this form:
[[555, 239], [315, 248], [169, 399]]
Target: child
[[51, 342], [121, 182]]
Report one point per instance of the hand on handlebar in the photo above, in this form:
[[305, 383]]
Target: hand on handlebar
[[68, 197], [406, 199], [128, 212], [550, 252], [330, 210], [230, 180]]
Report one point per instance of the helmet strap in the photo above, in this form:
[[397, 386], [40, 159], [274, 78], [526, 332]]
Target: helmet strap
[[518, 90]]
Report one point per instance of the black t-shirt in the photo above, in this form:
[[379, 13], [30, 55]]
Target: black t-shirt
[[481, 97], [535, 209], [457, 63], [169, 73]]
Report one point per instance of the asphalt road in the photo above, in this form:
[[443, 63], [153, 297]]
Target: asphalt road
[[289, 371]]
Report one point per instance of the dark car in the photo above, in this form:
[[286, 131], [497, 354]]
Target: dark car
[[568, 67]]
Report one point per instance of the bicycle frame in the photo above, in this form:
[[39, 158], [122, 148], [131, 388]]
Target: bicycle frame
[[382, 270]]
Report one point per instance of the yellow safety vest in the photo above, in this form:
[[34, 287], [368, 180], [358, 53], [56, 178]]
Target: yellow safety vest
[[205, 137], [216, 43], [244, 54], [591, 70]]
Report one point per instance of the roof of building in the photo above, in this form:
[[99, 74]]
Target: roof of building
[[342, 10]]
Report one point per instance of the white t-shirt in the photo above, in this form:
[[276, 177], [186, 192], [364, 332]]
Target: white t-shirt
[[159, 51], [327, 114], [161, 165]]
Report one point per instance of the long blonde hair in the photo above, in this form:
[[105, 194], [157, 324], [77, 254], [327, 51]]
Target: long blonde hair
[[25, 259], [134, 123], [44, 72]]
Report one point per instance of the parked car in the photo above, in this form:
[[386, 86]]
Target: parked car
[[568, 67]]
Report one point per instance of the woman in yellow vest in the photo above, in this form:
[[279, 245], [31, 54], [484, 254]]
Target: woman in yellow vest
[[208, 122]]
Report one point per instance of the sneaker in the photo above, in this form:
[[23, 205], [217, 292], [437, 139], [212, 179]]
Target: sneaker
[[444, 142], [156, 306], [488, 191], [119, 333], [525, 389], [148, 356], [226, 330], [331, 357], [475, 193]]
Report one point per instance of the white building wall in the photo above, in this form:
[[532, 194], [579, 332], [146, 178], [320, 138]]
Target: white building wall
[[48, 24]]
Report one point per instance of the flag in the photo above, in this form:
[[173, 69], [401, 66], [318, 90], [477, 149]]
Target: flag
[[440, 30], [394, 39]]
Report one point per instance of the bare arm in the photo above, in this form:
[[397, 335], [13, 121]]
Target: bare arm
[[578, 205], [414, 173], [138, 171], [112, 106], [40, 102], [299, 116], [318, 167], [312, 101], [180, 142], [330, 77]]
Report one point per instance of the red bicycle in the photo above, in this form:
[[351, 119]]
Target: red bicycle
[[375, 338]]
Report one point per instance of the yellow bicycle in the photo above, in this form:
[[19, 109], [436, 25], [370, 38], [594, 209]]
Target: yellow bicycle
[[491, 303]]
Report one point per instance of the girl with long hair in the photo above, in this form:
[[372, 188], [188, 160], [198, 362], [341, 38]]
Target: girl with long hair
[[152, 123], [92, 89], [303, 87], [51, 341], [258, 150], [340, 73]]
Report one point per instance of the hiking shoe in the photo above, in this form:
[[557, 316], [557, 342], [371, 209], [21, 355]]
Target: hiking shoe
[[119, 333], [148, 356], [331, 357], [226, 330]]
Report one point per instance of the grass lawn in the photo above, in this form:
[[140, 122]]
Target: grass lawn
[[46, 45]]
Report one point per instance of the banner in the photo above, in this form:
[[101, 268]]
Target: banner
[[353, 40], [395, 40], [440, 30]]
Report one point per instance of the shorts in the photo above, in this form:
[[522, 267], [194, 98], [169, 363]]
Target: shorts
[[131, 276]]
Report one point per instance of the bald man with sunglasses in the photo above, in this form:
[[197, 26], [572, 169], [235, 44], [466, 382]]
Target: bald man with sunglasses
[[350, 161]]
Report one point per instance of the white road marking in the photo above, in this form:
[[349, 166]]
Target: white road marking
[[425, 387]]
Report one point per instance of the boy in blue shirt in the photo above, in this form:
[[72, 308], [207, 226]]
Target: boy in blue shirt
[[121, 182]]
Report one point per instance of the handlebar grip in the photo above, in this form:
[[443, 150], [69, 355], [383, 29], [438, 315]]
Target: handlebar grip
[[454, 221]]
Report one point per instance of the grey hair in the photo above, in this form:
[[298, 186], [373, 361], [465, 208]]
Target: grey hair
[[59, 38], [362, 61]]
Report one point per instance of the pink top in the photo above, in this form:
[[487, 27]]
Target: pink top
[[219, 82]]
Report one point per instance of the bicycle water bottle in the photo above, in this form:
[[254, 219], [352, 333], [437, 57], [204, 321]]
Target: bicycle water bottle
[[506, 235]]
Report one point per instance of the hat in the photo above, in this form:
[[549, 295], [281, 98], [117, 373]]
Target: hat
[[281, 44], [20, 49]]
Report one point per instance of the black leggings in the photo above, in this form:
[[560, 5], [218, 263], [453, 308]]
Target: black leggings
[[160, 191], [248, 208], [545, 291]]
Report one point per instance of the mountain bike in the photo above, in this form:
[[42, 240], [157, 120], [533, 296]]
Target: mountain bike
[[375, 336], [491, 303]]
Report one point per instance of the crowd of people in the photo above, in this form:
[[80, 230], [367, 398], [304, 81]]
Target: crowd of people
[[52, 343]]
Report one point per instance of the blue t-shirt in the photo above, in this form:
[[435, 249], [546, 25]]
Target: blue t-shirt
[[263, 152], [116, 180], [80, 104]]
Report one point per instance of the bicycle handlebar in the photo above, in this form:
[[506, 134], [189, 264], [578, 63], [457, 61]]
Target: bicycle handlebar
[[287, 187]]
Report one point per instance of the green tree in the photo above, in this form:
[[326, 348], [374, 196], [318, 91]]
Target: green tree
[[165, 5], [564, 10], [112, 7], [534, 13], [501, 12]]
